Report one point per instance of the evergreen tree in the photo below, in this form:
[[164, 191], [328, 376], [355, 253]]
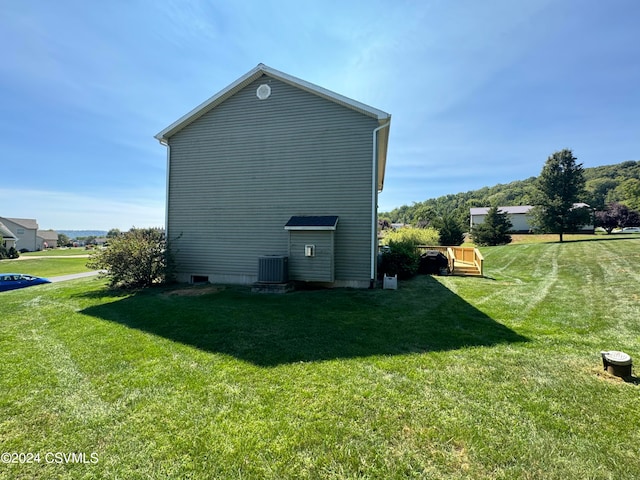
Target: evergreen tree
[[451, 232], [495, 229], [558, 188]]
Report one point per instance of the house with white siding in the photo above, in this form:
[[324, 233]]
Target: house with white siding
[[520, 216], [273, 167], [7, 238], [25, 230], [47, 239]]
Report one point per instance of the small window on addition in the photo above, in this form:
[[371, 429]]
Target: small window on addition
[[199, 279], [309, 250]]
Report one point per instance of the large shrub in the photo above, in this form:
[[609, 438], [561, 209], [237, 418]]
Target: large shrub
[[400, 258], [137, 258], [8, 252], [416, 236]]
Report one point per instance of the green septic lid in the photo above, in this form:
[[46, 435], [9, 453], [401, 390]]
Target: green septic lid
[[616, 358]]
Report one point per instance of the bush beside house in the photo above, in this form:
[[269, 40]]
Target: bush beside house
[[135, 259]]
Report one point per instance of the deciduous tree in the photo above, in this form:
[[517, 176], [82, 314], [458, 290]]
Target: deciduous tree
[[606, 220], [63, 240], [114, 232]]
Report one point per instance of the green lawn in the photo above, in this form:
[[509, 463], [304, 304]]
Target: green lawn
[[518, 238], [44, 266], [447, 377], [59, 252]]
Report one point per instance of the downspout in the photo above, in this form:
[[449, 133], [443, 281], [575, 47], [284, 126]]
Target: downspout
[[166, 206], [374, 205]]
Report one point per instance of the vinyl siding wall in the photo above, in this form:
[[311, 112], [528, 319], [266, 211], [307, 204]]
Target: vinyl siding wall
[[238, 173], [318, 268], [520, 221], [26, 237]]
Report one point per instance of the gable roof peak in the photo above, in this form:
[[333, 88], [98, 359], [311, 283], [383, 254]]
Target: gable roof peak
[[29, 223], [252, 75]]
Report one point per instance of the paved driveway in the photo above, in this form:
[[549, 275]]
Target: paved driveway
[[73, 276]]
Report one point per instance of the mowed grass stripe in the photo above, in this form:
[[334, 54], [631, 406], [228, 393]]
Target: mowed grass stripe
[[444, 378]]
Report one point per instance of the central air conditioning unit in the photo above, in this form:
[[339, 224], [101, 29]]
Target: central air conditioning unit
[[273, 269]]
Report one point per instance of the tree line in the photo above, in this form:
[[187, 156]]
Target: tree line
[[613, 188]]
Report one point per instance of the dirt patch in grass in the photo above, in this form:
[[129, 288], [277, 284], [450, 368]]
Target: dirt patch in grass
[[194, 291], [607, 377]]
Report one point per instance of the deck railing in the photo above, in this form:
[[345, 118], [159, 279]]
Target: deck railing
[[467, 255]]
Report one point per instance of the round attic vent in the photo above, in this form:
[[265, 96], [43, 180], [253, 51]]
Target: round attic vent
[[263, 92]]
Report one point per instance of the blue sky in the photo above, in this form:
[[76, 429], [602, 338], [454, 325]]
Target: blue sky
[[480, 92]]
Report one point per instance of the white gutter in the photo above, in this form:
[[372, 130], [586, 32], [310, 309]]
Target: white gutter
[[374, 205]]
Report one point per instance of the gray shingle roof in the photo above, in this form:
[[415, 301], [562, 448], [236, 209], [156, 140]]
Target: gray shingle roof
[[325, 222], [29, 223], [513, 209], [6, 233]]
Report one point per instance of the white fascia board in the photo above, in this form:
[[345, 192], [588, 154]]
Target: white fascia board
[[328, 94], [208, 104], [311, 228], [383, 144]]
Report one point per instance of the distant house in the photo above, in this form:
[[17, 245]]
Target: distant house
[[8, 238], [25, 230], [273, 165], [47, 239], [520, 217]]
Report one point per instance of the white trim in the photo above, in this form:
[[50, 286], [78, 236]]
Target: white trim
[[310, 228], [374, 200], [323, 92], [263, 92], [166, 203]]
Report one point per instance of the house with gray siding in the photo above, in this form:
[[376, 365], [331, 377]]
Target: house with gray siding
[[274, 166]]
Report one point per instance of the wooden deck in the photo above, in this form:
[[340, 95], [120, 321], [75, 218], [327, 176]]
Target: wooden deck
[[464, 261]]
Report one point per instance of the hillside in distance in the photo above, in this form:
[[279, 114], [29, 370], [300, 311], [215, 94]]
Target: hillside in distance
[[72, 234], [605, 184]]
